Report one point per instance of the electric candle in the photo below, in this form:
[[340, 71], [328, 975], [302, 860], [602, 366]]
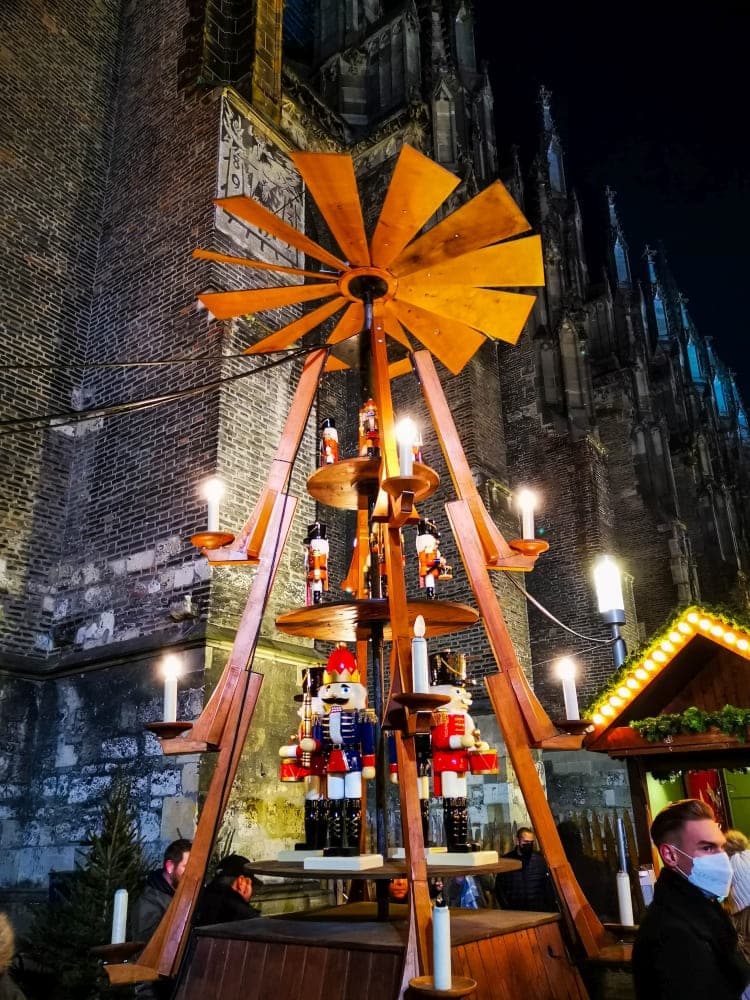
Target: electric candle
[[566, 671], [441, 948], [406, 435], [526, 504], [119, 916], [420, 669], [171, 669], [213, 491]]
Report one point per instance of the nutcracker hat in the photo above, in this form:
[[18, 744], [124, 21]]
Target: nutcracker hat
[[741, 879], [328, 422], [317, 530], [311, 682], [447, 667], [341, 667], [428, 528]]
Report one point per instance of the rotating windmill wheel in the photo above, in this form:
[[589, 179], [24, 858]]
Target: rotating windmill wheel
[[450, 289], [443, 288]]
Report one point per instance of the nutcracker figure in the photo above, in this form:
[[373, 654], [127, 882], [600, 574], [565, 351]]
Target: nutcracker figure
[[457, 748], [346, 734], [369, 431], [432, 566], [316, 562], [308, 766], [329, 442]]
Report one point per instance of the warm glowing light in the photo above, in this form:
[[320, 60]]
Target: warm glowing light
[[171, 667], [649, 665], [641, 674], [685, 628], [526, 502], [212, 489], [608, 710], [717, 630], [624, 693], [675, 636], [659, 656], [667, 647], [704, 624], [565, 669], [615, 702], [608, 585], [632, 683], [742, 644], [598, 719], [693, 618], [730, 638]]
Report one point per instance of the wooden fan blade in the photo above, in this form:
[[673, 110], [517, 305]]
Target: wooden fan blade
[[500, 315], [251, 211], [394, 329], [418, 188], [349, 325], [330, 180], [335, 365], [514, 264], [261, 265], [450, 341], [226, 305], [488, 218], [287, 335]]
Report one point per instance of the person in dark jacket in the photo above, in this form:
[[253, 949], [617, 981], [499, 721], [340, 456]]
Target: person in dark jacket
[[152, 904], [530, 886], [227, 896], [686, 945]]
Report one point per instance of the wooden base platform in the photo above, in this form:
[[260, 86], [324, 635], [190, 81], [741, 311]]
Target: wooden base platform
[[344, 953]]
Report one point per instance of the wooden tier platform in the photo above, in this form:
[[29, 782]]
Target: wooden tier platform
[[349, 621], [343, 953], [343, 484], [388, 870]]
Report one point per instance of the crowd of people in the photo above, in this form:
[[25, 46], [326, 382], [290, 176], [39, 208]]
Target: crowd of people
[[693, 940]]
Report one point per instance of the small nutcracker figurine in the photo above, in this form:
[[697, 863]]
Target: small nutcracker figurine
[[457, 748], [369, 431], [316, 562], [346, 734], [307, 766], [329, 442], [432, 566]]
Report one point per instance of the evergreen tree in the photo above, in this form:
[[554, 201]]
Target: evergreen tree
[[65, 930]]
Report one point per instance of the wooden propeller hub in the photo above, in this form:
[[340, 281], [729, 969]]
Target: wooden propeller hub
[[362, 284]]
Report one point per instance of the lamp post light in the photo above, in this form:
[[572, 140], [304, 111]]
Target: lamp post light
[[608, 585]]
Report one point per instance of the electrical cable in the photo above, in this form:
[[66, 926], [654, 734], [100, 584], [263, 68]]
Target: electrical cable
[[14, 424], [540, 607]]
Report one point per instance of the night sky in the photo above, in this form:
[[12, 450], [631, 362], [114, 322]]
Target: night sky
[[656, 106]]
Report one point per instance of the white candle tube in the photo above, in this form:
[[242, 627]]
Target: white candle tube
[[119, 916], [570, 696], [624, 899], [441, 948], [406, 434], [623, 855], [170, 698], [213, 514], [420, 669]]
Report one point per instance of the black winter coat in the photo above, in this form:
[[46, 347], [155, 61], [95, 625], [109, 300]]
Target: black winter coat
[[219, 903], [686, 947], [528, 888]]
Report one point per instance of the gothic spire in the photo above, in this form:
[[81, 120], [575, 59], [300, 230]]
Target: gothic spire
[[618, 246]]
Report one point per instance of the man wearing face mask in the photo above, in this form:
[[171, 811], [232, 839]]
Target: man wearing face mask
[[530, 886], [686, 946]]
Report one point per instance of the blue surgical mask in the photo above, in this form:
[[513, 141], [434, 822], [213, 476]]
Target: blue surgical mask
[[711, 872]]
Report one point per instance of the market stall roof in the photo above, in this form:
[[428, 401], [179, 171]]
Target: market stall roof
[[700, 660]]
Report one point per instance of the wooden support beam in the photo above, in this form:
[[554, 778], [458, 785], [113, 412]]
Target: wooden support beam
[[581, 918]]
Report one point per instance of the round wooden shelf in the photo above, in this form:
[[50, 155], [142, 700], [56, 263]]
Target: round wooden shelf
[[168, 730], [461, 986], [212, 539], [353, 620], [342, 484], [421, 702], [117, 952]]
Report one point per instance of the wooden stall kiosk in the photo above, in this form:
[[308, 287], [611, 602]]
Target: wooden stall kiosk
[[445, 289], [688, 698]]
